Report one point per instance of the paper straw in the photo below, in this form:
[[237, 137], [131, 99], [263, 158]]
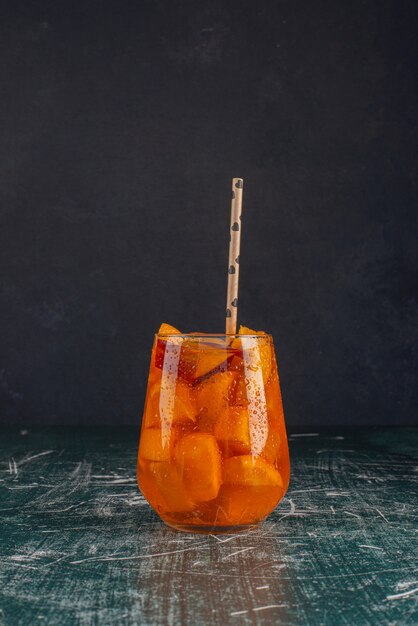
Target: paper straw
[[233, 265]]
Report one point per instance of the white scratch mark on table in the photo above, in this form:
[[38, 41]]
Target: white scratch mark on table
[[404, 594], [291, 510], [308, 490], [381, 515], [134, 558], [266, 564], [269, 606], [106, 476], [237, 536], [68, 508], [118, 481], [406, 584], [13, 467], [28, 459], [234, 613], [25, 566], [22, 487], [237, 552], [120, 495]]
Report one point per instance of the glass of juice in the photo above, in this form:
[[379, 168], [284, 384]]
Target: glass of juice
[[213, 454]]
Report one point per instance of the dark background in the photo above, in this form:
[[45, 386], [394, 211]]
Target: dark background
[[122, 125]]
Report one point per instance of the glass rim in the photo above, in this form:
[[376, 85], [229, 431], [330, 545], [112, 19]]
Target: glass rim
[[211, 336]]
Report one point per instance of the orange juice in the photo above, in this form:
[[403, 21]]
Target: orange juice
[[213, 453]]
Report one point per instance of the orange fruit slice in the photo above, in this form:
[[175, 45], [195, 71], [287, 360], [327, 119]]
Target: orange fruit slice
[[161, 343], [239, 504], [167, 329], [198, 460], [239, 394], [176, 406], [248, 471], [274, 402], [201, 357], [212, 398], [171, 488], [197, 358], [210, 360], [262, 351], [232, 431], [151, 447], [271, 451], [148, 487]]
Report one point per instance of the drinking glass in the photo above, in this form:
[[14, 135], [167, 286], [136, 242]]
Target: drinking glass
[[213, 454]]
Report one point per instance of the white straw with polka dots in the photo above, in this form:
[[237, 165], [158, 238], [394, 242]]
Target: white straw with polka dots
[[233, 265]]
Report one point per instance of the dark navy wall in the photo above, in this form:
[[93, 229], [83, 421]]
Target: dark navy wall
[[122, 125]]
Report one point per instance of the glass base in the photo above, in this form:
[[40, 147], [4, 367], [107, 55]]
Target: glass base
[[212, 530]]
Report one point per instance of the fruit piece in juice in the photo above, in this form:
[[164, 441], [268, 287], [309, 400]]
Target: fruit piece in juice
[[274, 401], [252, 488], [245, 505], [200, 359], [165, 329], [212, 398], [252, 373], [148, 486], [195, 362], [181, 410], [239, 395], [272, 448], [169, 486], [210, 363], [232, 431], [238, 392], [250, 357], [262, 352], [155, 373], [151, 445], [271, 451], [250, 471], [198, 460]]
